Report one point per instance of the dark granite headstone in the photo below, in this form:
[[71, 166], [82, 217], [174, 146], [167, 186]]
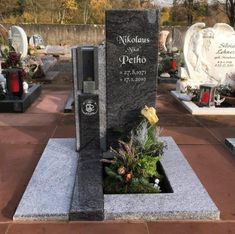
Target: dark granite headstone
[[88, 107], [87, 201], [131, 66], [86, 100]]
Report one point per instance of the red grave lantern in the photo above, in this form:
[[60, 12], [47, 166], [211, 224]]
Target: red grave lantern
[[173, 63], [15, 82], [207, 95]]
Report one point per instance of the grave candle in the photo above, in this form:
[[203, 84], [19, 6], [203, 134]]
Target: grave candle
[[207, 95], [14, 82]]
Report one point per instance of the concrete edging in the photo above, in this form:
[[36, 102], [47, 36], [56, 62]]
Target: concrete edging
[[230, 143], [196, 110], [189, 199], [49, 192]]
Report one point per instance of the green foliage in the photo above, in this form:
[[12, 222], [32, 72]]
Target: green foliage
[[164, 65], [146, 140], [12, 58], [149, 165], [224, 90], [194, 91]]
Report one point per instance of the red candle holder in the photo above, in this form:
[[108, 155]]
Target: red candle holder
[[173, 63], [14, 82]]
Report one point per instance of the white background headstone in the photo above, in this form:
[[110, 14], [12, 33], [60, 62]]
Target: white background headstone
[[36, 40], [19, 40], [209, 54]]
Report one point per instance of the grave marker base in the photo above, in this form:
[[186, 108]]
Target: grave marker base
[[189, 199], [20, 106]]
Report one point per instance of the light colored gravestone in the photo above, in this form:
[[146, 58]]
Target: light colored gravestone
[[37, 41], [19, 40], [175, 39], [209, 54], [162, 40]]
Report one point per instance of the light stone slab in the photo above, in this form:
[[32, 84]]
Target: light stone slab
[[230, 143], [189, 199], [49, 192], [196, 110]]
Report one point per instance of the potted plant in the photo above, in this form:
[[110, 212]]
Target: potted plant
[[133, 168]]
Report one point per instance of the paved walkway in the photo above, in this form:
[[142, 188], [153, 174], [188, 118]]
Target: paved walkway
[[23, 138]]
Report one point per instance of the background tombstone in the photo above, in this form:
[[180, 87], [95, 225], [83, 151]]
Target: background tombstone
[[131, 66], [162, 41], [19, 40], [36, 41], [175, 39], [209, 54]]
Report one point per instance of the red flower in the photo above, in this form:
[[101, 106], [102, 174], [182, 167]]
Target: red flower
[[13, 56]]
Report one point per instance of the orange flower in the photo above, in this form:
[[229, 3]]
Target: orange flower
[[129, 176]]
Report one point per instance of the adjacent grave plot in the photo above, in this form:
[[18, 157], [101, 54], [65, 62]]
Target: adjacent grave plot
[[21, 105], [16, 92], [209, 55], [196, 110]]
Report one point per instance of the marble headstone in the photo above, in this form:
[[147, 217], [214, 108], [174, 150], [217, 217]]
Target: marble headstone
[[19, 40], [209, 54], [162, 40], [36, 41], [175, 40], [131, 66]]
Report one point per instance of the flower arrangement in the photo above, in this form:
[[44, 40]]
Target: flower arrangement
[[134, 166], [14, 73], [228, 93], [225, 90], [12, 59]]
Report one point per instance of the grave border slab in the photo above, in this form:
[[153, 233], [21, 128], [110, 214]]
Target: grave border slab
[[195, 110], [230, 143], [49, 192], [189, 199]]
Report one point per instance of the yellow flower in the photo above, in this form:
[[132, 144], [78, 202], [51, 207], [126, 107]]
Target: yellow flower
[[150, 114]]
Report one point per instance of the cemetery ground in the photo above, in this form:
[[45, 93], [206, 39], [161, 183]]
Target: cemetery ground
[[23, 138]]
